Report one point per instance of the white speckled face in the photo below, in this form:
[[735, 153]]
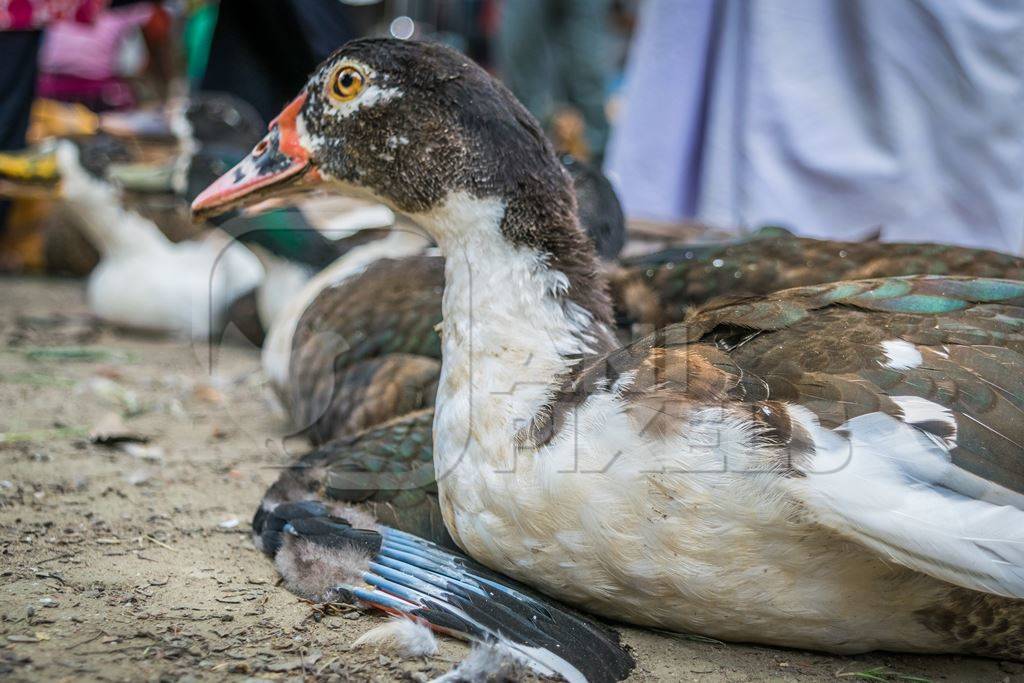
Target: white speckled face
[[352, 85], [306, 139]]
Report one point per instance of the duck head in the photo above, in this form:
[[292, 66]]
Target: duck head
[[421, 128], [407, 123], [208, 119]]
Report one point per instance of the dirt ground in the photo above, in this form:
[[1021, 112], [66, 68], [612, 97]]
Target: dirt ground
[[133, 562]]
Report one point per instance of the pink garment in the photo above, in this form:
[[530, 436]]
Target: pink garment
[[90, 50], [98, 94], [21, 15]]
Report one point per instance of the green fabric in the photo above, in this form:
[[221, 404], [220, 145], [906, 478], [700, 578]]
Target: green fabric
[[197, 39]]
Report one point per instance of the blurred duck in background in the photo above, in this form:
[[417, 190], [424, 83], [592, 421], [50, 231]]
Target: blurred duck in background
[[143, 280], [129, 197], [147, 152]]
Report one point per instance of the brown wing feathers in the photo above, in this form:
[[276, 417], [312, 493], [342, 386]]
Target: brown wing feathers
[[366, 350]]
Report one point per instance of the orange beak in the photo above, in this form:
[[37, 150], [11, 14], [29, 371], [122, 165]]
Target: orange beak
[[278, 165]]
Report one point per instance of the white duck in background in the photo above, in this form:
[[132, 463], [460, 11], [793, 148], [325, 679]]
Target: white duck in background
[[145, 281]]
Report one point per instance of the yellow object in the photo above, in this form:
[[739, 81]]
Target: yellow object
[[29, 166], [567, 134], [50, 118]]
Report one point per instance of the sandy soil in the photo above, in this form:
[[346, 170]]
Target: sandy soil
[[134, 563]]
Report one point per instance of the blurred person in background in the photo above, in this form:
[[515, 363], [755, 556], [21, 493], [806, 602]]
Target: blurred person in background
[[553, 52], [263, 50], [93, 63], [21, 24], [835, 117]]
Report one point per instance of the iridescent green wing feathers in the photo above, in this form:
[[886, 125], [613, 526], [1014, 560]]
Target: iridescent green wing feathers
[[840, 350], [657, 289], [388, 469]]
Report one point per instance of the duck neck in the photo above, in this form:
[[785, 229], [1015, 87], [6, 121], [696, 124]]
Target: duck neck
[[183, 132], [522, 303], [96, 204]]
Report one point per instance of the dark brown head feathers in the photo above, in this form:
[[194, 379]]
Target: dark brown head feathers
[[431, 123]]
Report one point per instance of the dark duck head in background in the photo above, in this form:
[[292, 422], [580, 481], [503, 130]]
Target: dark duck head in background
[[835, 466], [213, 132]]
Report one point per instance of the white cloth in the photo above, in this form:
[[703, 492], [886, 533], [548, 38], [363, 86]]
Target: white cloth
[[833, 117]]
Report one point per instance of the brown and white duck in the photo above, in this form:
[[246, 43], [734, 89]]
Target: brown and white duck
[[366, 350], [358, 345], [381, 325], [835, 467], [344, 357]]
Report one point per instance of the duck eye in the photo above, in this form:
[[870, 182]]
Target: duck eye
[[346, 83]]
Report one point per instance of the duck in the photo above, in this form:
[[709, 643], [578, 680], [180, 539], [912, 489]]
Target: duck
[[352, 395], [832, 467], [358, 345], [140, 151], [394, 306], [143, 280], [329, 348], [366, 350]]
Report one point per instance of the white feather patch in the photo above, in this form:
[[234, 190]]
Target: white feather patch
[[489, 661], [900, 355], [143, 280], [917, 410], [895, 490], [312, 570], [284, 280], [404, 637]]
